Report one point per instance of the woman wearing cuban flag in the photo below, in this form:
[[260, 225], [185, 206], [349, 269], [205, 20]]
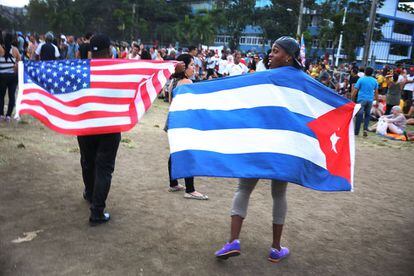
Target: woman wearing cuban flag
[[285, 52]]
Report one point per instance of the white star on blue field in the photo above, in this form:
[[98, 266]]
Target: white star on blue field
[[59, 76]]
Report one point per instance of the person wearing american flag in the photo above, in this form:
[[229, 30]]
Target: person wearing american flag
[[98, 152]]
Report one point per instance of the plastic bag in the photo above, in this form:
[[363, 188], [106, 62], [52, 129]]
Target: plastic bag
[[382, 126]]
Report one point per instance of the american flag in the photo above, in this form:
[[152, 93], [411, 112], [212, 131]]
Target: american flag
[[85, 97]]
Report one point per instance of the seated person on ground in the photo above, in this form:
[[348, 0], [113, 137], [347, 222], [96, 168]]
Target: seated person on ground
[[396, 121]]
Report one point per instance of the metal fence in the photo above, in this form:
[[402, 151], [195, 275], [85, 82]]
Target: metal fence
[[396, 45]]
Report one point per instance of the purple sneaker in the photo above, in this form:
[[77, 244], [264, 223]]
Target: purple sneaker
[[231, 249], [276, 255]]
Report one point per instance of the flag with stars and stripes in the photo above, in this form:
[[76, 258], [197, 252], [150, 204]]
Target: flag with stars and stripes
[[85, 97]]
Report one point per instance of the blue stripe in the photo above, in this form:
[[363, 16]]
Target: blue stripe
[[284, 76], [256, 165], [259, 117]]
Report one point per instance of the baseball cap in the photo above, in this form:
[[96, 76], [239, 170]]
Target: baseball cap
[[291, 46], [100, 42]]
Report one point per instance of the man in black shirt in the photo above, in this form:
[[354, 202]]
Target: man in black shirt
[[353, 79], [84, 51], [47, 50], [98, 152]]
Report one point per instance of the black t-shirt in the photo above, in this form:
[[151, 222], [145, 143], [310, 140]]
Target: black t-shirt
[[353, 80], [84, 48], [47, 52]]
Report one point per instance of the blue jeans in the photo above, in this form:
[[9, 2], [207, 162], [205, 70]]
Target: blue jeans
[[364, 111]]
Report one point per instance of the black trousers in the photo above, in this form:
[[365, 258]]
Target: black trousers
[[98, 154], [189, 181], [407, 96], [8, 82]]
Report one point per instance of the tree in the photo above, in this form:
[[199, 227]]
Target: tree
[[355, 25]]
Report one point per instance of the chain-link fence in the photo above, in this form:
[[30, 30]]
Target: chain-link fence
[[395, 47]]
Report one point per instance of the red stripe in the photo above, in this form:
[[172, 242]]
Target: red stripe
[[73, 118], [78, 132], [146, 100], [114, 85], [133, 114], [135, 71], [157, 84], [79, 101], [103, 62]]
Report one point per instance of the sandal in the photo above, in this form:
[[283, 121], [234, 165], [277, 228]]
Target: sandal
[[195, 195], [176, 188]]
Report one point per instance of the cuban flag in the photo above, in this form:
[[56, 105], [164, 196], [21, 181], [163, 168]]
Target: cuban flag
[[276, 124]]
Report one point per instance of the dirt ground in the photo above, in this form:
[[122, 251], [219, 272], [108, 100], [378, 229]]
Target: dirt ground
[[153, 232]]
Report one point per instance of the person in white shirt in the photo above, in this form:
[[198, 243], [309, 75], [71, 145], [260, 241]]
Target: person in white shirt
[[211, 64], [408, 89], [222, 64], [260, 66], [237, 68], [134, 51]]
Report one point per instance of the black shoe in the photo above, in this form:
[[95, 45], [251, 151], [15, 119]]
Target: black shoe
[[85, 197], [365, 133], [95, 220]]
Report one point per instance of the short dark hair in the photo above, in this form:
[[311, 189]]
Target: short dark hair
[[145, 54], [88, 35], [369, 71], [186, 58], [191, 48], [395, 77]]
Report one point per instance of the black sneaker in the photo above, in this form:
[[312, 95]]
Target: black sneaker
[[365, 133], [95, 220]]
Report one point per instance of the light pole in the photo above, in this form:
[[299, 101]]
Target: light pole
[[299, 30], [340, 38], [370, 32]]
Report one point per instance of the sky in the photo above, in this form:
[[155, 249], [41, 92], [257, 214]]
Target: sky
[[21, 3], [14, 3]]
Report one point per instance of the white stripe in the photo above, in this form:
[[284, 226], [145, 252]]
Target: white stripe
[[134, 65], [152, 93], [78, 109], [116, 78], [99, 92], [252, 140], [139, 104], [351, 136], [20, 91], [253, 96], [88, 123]]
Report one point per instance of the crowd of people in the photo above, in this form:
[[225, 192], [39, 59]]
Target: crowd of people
[[393, 86], [385, 95]]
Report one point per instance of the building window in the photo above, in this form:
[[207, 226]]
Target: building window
[[242, 40], [315, 43], [219, 39], [227, 39], [399, 50], [403, 28], [329, 44]]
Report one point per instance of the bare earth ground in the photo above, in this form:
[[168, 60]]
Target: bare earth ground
[[153, 232]]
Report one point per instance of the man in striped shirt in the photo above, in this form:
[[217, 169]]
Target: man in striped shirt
[[98, 152]]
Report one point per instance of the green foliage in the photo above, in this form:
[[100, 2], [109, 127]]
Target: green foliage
[[121, 19], [355, 26]]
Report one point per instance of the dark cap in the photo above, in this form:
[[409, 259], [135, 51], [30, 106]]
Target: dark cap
[[291, 47], [100, 42]]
